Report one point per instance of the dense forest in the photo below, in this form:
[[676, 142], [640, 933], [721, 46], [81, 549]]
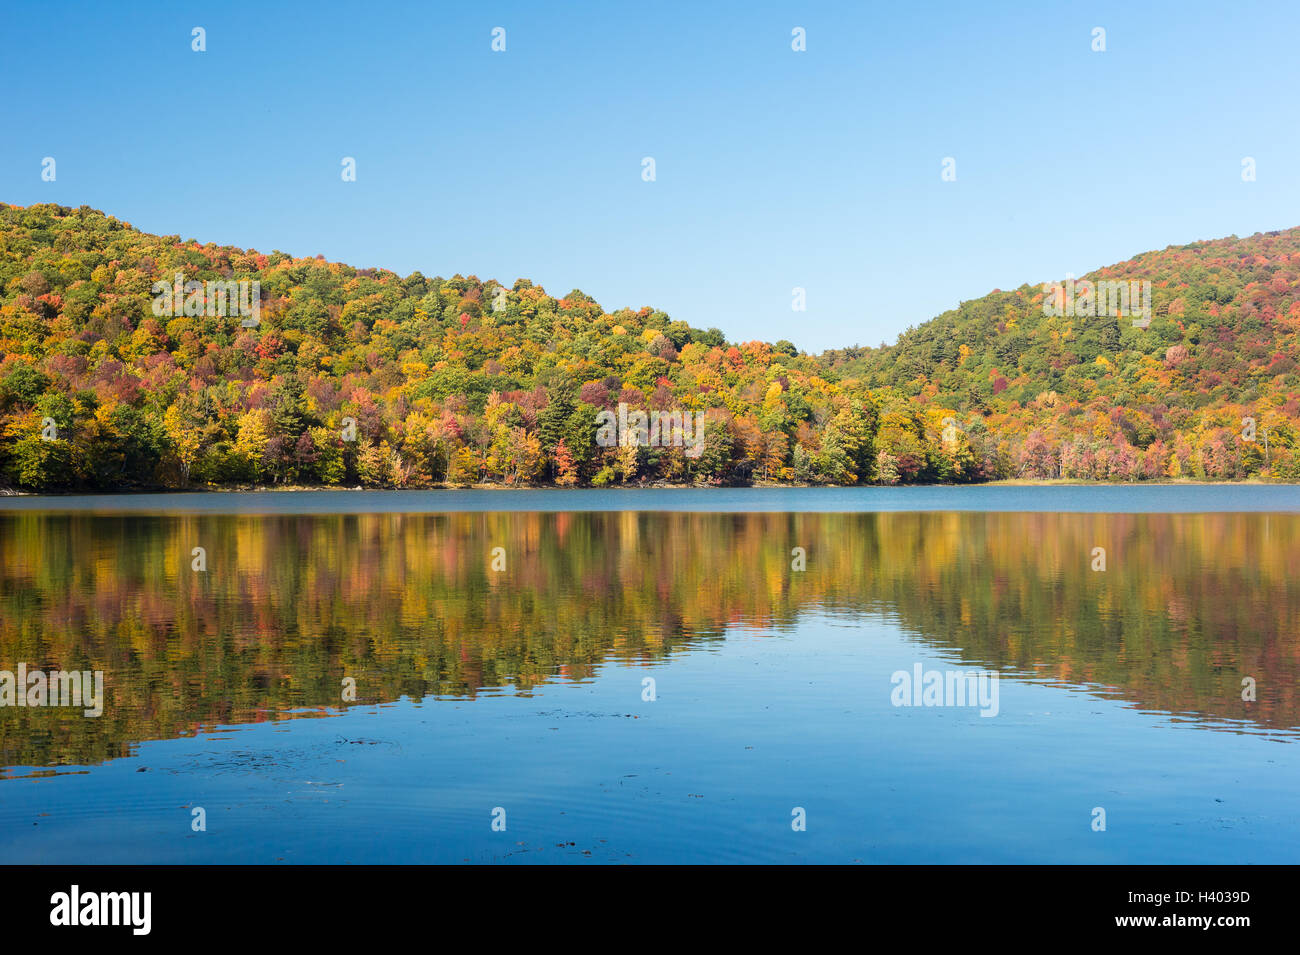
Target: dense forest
[[352, 376]]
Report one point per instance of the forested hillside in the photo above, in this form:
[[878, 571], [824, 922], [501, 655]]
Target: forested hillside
[[360, 376]]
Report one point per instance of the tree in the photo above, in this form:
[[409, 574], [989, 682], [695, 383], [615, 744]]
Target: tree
[[566, 469], [187, 439], [625, 462], [886, 468], [39, 463], [251, 441], [1037, 459], [715, 459]]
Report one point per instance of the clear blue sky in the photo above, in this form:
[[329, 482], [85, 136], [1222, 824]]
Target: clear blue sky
[[775, 169]]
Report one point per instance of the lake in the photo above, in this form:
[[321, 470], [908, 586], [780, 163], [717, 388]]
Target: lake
[[899, 675]]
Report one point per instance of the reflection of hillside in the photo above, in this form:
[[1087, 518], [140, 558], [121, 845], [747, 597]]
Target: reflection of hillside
[[407, 605], [1187, 606]]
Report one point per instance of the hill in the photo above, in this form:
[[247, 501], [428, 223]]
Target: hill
[[129, 360]]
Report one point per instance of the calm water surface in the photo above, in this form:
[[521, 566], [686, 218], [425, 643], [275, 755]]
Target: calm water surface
[[523, 688]]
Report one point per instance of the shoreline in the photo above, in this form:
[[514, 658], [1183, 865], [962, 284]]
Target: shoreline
[[314, 488]]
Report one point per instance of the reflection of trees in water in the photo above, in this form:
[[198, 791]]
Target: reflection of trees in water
[[1187, 605], [407, 605]]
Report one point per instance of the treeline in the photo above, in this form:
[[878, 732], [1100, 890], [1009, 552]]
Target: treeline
[[361, 376]]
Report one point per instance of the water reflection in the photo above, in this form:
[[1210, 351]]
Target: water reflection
[[409, 605]]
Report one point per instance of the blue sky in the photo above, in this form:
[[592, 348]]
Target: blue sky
[[775, 169]]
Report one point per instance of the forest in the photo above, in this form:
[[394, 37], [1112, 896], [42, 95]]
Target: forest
[[362, 377]]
